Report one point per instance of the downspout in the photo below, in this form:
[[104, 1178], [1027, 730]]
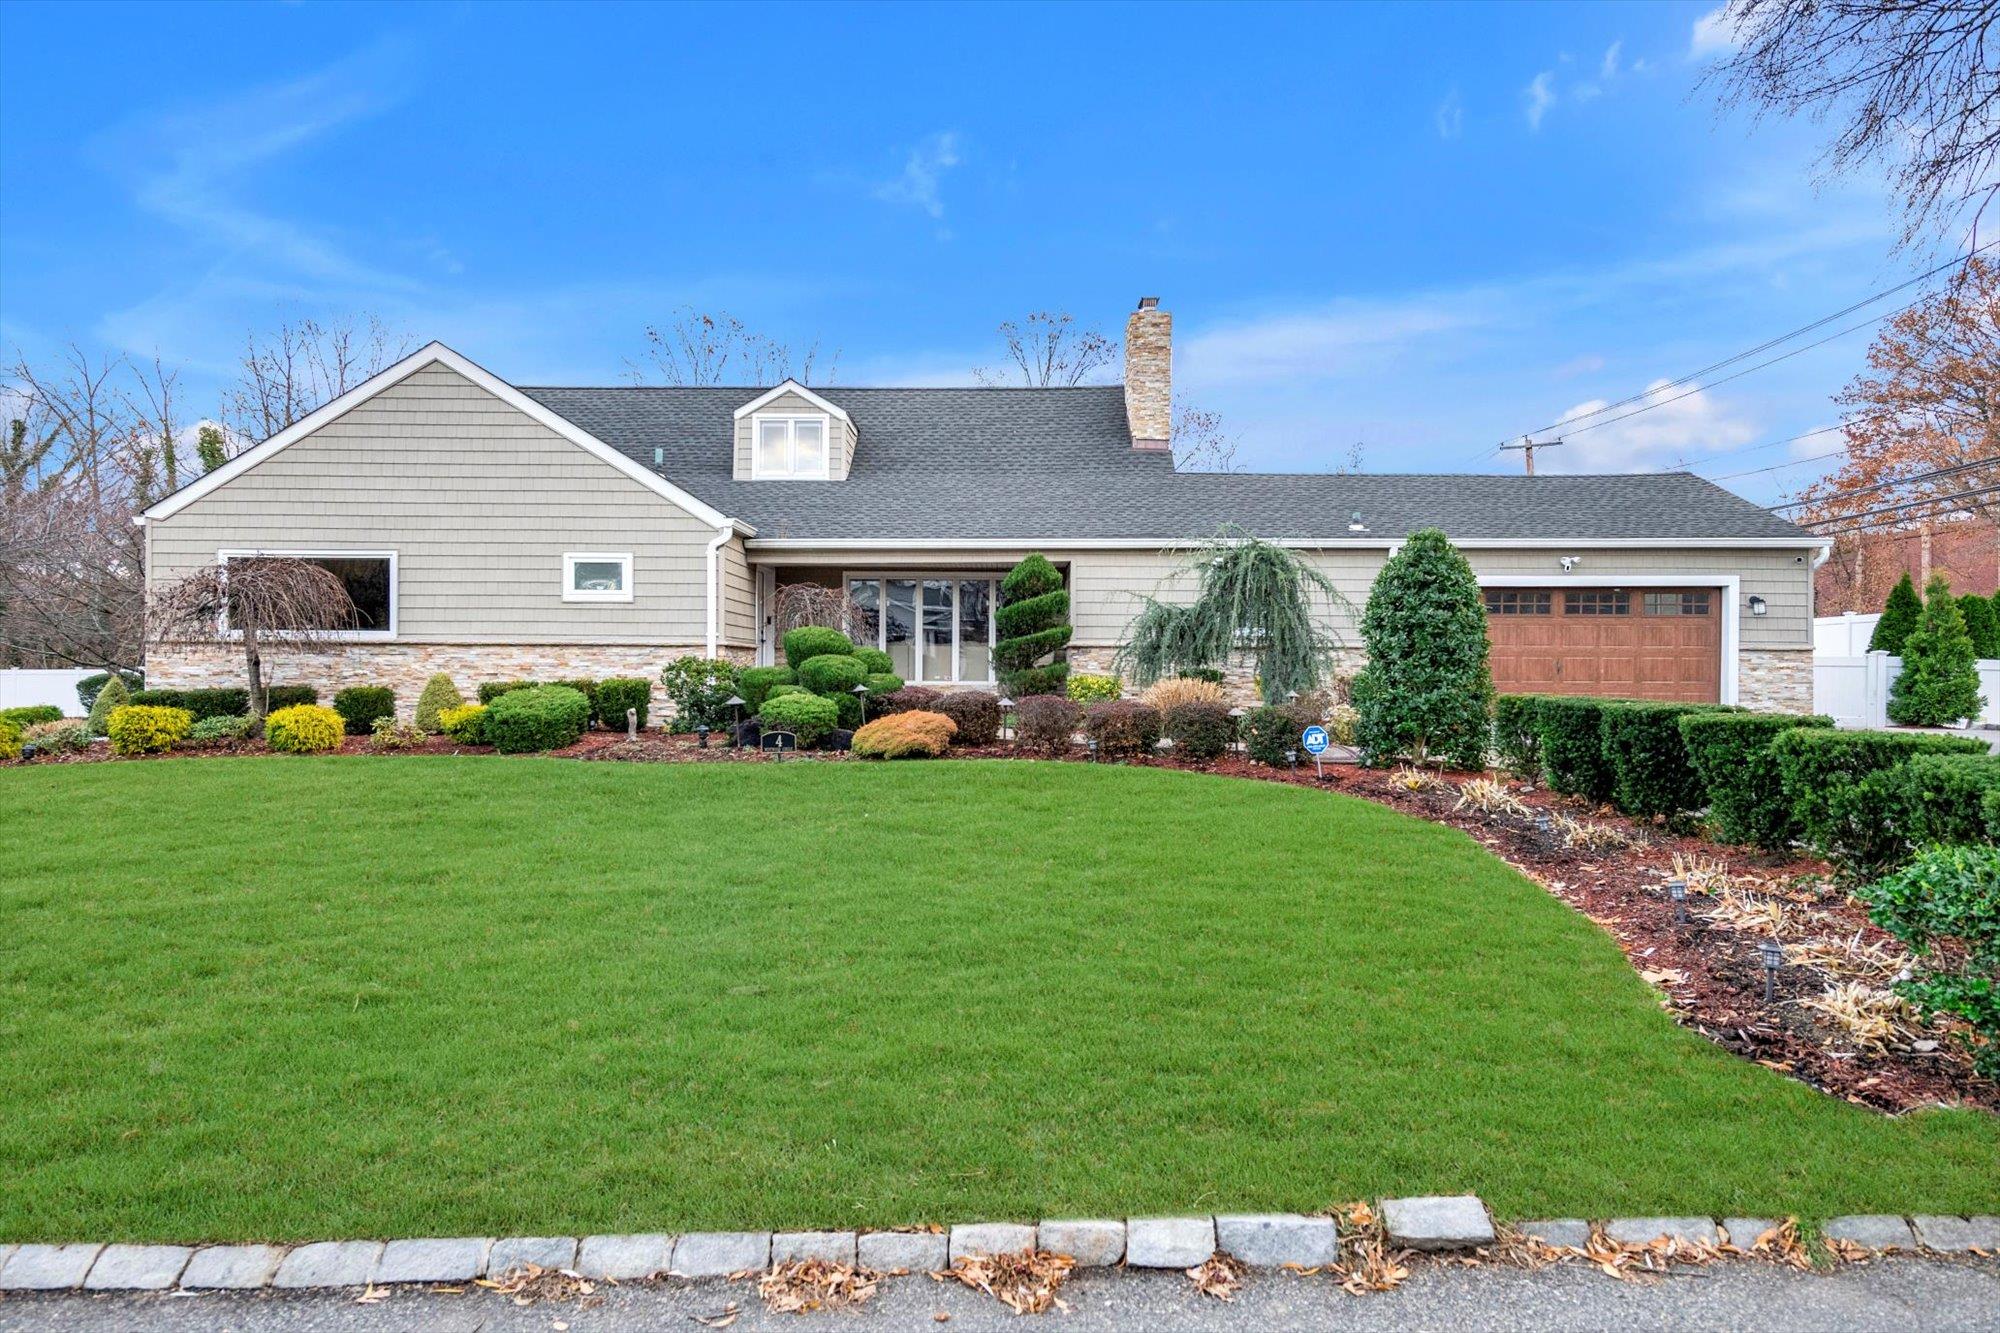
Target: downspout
[[722, 534]]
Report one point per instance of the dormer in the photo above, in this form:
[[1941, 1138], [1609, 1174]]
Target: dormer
[[791, 433]]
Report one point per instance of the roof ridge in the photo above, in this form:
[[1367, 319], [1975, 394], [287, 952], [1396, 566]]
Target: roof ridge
[[829, 388]]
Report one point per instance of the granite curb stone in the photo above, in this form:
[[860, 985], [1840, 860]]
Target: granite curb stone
[[720, 1253], [512, 1252], [47, 1267], [626, 1258], [329, 1263], [1437, 1222], [1876, 1231], [434, 1259], [1743, 1231], [990, 1238], [1646, 1230], [917, 1251], [1092, 1243], [1565, 1233], [1272, 1240], [232, 1267], [1951, 1235], [836, 1247], [137, 1267], [1169, 1242]]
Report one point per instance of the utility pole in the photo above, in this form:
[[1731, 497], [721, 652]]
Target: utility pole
[[1528, 447]]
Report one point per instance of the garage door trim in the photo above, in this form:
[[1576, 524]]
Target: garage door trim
[[1731, 586]]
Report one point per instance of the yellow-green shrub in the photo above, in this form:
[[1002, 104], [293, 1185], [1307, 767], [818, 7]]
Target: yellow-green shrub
[[901, 735], [147, 728], [466, 725], [10, 740], [304, 729]]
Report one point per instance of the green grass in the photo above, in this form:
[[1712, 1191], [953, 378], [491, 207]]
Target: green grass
[[291, 998]]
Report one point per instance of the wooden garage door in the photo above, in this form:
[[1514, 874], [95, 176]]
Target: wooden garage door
[[1636, 643]]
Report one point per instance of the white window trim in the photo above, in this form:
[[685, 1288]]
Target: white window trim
[[791, 420], [572, 593], [223, 557], [917, 644]]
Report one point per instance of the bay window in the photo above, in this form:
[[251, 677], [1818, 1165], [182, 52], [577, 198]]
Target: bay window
[[937, 628]]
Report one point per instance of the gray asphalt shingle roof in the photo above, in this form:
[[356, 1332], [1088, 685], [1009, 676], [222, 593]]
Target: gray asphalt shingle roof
[[1048, 464]]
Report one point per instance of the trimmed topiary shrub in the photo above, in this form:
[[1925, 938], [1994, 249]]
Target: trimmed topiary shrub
[[753, 684], [545, 717], [810, 717], [439, 694], [1046, 722], [289, 696], [1899, 617], [1573, 745], [218, 731], [493, 689], [810, 641], [910, 697], [1033, 629], [1651, 773], [699, 689], [69, 736], [619, 693], [1731, 752], [88, 687], [1199, 729], [1267, 733], [1122, 727], [465, 725], [1950, 895], [914, 734], [1517, 734], [360, 705], [976, 714], [29, 714], [1944, 798], [832, 673], [147, 728], [1848, 812], [588, 689], [1939, 682], [110, 698], [878, 662], [1084, 688], [1426, 692], [304, 729], [778, 691], [198, 704], [882, 682]]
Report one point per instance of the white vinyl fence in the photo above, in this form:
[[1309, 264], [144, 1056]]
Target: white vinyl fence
[[1844, 635], [1853, 689], [22, 688]]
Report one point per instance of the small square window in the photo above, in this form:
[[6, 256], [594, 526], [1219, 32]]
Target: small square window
[[1611, 602], [1519, 602], [597, 577], [789, 447], [1676, 603]]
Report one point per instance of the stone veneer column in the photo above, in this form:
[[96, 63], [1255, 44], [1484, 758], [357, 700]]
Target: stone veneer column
[[1149, 375], [1775, 681]]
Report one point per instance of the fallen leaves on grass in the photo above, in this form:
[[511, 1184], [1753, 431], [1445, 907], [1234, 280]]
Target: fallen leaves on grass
[[531, 1283], [1025, 1282], [815, 1284], [1219, 1276]]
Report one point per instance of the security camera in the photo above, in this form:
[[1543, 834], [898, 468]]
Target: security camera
[[1570, 562]]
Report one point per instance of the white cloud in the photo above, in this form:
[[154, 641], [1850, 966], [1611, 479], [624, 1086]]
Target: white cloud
[[1540, 95], [1608, 67], [922, 177], [1670, 427], [1334, 340], [1714, 34], [1450, 116], [1588, 364]]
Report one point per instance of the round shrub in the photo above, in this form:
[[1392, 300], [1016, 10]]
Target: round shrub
[[754, 684], [113, 695], [304, 729], [1088, 689], [286, 696], [10, 740], [1169, 694], [1199, 728], [977, 714], [807, 716], [905, 735], [882, 683], [619, 693], [439, 694], [360, 705], [213, 731], [465, 725], [832, 673], [779, 691], [493, 689], [810, 641], [588, 689], [910, 697], [852, 713], [147, 728], [1267, 733], [1122, 726], [545, 717], [68, 736], [1046, 722], [878, 662], [29, 714]]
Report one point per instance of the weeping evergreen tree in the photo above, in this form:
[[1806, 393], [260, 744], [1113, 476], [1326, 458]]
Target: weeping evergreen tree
[[1254, 597], [1427, 691]]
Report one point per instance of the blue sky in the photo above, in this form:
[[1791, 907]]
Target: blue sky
[[1424, 229]]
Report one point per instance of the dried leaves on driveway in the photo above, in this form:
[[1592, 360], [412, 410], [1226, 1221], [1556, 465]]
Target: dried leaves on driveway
[[1025, 1282]]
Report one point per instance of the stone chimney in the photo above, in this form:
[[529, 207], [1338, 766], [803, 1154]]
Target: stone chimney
[[1149, 375]]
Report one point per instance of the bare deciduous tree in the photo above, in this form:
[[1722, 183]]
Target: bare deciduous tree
[[267, 602], [797, 604], [696, 349], [1049, 351], [1199, 442], [288, 374], [1912, 83]]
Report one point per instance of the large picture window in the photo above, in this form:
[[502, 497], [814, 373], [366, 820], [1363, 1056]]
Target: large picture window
[[368, 576], [937, 628]]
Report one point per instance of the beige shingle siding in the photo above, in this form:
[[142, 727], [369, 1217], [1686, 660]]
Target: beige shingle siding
[[739, 596], [840, 436], [479, 502]]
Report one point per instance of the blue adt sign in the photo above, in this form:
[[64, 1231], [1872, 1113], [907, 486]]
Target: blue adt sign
[[1314, 739]]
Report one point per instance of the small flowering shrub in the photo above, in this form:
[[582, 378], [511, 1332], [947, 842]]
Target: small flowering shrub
[[1089, 689], [904, 735], [1046, 722], [147, 728], [1122, 726], [977, 713], [304, 729], [465, 725]]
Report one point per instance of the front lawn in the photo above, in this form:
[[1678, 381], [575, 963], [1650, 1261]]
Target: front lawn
[[288, 998]]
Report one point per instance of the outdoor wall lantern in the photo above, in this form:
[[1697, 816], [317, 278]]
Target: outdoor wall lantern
[[1007, 719], [1758, 606], [734, 703], [1677, 889], [1773, 954]]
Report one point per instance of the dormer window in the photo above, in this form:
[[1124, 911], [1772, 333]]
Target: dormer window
[[789, 446]]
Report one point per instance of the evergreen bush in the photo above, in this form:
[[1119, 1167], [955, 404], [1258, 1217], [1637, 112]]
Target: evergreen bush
[[304, 729], [196, 703], [1033, 628], [1427, 691], [1899, 617], [543, 717], [914, 734], [1939, 682], [111, 696], [832, 673], [1572, 731], [360, 705], [493, 689], [10, 740], [289, 696], [1267, 734], [1847, 810], [1943, 798], [1199, 729], [620, 693], [87, 688], [1517, 734], [809, 717], [1982, 624], [1731, 751], [1089, 689], [439, 694], [1651, 773], [700, 688], [1952, 895], [878, 662], [753, 684], [809, 641], [27, 715], [465, 725]]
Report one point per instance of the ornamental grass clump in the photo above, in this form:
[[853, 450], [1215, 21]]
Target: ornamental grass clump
[[546, 717], [440, 693], [304, 729], [1046, 722], [1426, 693], [915, 734], [1169, 694], [977, 713]]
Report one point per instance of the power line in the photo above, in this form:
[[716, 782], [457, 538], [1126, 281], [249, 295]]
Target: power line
[[1908, 504], [1934, 474], [1894, 522], [1777, 467]]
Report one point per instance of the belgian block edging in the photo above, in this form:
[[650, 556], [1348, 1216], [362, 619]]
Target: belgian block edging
[[1259, 1240]]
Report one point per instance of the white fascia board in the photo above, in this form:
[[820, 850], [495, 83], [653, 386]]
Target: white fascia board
[[437, 354], [791, 386], [1300, 543]]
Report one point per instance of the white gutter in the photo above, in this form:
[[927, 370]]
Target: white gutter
[[1307, 543], [722, 535]]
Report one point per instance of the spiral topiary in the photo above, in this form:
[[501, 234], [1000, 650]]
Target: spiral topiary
[[1034, 628]]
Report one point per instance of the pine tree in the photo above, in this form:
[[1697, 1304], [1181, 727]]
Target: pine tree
[[1899, 617], [210, 447], [1939, 683], [1427, 690], [1033, 624], [1982, 623], [439, 694]]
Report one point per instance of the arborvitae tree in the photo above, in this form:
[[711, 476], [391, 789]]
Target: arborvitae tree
[[1899, 617], [210, 448], [1938, 683], [113, 695], [439, 694], [1034, 629], [1427, 691], [1982, 623]]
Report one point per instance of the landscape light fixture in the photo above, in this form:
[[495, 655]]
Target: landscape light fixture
[[861, 693], [1677, 889], [1544, 826], [1773, 954], [1006, 712], [701, 731], [1090, 744], [734, 703], [1292, 758], [1237, 715]]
